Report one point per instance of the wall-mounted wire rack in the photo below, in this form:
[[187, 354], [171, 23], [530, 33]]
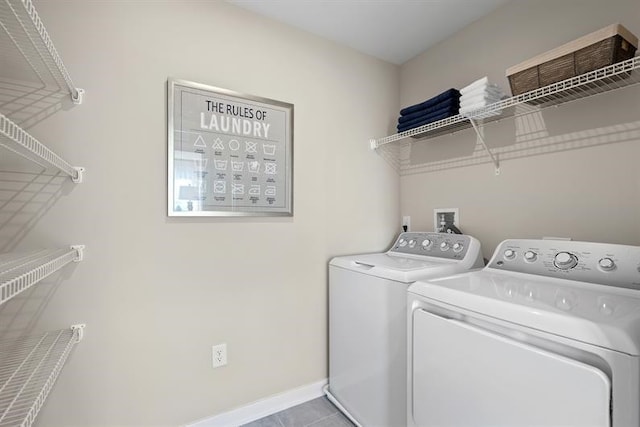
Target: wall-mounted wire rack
[[616, 76], [34, 82], [25, 41], [30, 366], [18, 272]]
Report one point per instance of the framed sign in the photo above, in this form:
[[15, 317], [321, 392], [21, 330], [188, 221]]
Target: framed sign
[[229, 154]]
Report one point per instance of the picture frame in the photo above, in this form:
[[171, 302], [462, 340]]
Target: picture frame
[[229, 154]]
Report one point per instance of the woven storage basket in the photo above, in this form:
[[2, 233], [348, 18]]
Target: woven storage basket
[[596, 50]]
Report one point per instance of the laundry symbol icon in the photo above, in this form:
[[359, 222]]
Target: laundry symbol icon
[[270, 190], [220, 165], [217, 144], [250, 147], [200, 165], [199, 142], [254, 167], [254, 190], [237, 188], [220, 187], [234, 145], [270, 168], [269, 149], [237, 166]]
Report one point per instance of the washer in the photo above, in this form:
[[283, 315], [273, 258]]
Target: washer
[[367, 321], [547, 334]]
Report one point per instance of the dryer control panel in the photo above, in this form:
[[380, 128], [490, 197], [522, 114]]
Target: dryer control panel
[[441, 245], [600, 263]]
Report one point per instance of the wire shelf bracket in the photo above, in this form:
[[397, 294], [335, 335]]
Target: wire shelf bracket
[[27, 31], [15, 139], [30, 368], [19, 272], [612, 77]]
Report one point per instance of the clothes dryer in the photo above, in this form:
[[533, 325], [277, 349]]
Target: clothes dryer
[[546, 335], [367, 321]]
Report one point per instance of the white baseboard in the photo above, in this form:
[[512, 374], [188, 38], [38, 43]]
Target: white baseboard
[[264, 407]]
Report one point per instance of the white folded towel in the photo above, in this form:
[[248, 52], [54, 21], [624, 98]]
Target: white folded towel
[[487, 99], [494, 90], [478, 83]]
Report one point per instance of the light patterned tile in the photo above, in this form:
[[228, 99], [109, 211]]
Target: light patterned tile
[[307, 413], [270, 421]]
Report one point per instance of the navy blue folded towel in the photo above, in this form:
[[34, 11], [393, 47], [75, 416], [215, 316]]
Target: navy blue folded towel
[[447, 94], [440, 114], [451, 102]]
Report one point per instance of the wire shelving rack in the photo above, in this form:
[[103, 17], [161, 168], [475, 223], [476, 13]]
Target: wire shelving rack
[[29, 368], [606, 79]]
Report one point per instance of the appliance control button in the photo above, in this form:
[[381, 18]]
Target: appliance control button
[[606, 264], [444, 246], [426, 243], [457, 247], [412, 243], [606, 308], [564, 302], [565, 260], [509, 254], [530, 256], [402, 243]]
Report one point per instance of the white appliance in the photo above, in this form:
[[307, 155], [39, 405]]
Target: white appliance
[[367, 321], [547, 334]]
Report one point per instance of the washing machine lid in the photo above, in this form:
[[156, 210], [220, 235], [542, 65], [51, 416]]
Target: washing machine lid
[[416, 255], [600, 315], [401, 268]]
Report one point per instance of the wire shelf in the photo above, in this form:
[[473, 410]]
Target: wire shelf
[[19, 272], [603, 80], [29, 368], [14, 138], [23, 26]]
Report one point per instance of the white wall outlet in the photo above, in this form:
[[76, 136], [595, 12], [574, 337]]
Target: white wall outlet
[[406, 222], [219, 355]]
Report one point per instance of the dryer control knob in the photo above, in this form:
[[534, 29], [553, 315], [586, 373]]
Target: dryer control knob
[[426, 243], [457, 247], [606, 264], [444, 246], [402, 243], [509, 254], [530, 256], [412, 243], [565, 260]]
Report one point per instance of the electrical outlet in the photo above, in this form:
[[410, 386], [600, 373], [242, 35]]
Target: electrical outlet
[[406, 222], [219, 355]]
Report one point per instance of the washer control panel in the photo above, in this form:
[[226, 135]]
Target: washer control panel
[[601, 263], [441, 245]]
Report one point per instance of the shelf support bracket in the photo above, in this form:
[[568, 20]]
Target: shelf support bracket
[[79, 175], [373, 144], [77, 96], [494, 159], [79, 329], [79, 252]]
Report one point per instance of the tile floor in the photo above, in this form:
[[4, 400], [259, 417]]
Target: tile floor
[[315, 413]]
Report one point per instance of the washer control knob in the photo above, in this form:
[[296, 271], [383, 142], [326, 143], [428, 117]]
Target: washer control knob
[[444, 246], [412, 243], [530, 256], [402, 243], [457, 247], [426, 243], [509, 254], [606, 264], [565, 260]]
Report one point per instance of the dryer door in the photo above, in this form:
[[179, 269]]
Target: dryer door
[[467, 376]]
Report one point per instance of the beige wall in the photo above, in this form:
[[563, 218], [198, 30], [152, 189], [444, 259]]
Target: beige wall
[[568, 171], [155, 292]]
